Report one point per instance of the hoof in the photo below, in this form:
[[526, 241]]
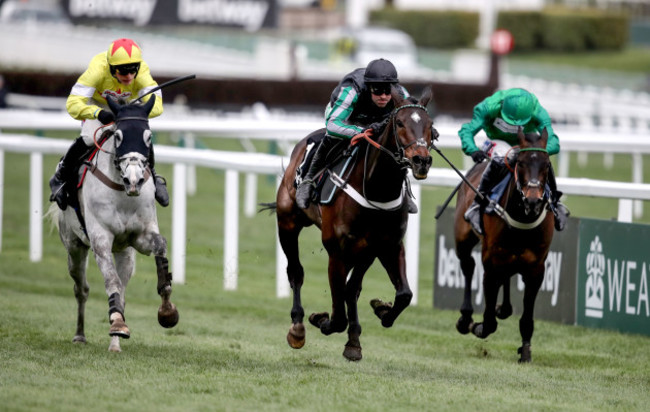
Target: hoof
[[463, 326], [119, 329], [167, 315], [296, 336], [503, 312], [380, 307], [525, 353], [79, 339], [352, 353], [115, 345], [317, 319], [477, 330]]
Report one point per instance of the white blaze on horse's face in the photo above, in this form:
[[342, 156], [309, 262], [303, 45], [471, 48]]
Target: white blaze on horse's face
[[416, 117], [132, 169]]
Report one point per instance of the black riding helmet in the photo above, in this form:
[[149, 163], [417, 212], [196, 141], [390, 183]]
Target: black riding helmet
[[380, 71]]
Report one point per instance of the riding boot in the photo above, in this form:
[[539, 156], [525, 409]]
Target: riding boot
[[160, 182], [65, 172], [491, 175], [413, 208], [306, 186], [560, 211]]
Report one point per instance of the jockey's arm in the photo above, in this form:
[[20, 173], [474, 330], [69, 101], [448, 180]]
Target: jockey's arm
[[471, 128], [544, 121], [337, 117], [144, 82], [77, 103]]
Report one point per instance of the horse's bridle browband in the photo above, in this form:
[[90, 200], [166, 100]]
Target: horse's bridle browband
[[146, 119]]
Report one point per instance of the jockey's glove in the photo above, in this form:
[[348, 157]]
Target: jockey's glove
[[479, 156], [378, 127], [105, 117]]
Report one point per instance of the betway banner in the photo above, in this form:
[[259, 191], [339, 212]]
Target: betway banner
[[250, 15], [555, 300], [613, 272]]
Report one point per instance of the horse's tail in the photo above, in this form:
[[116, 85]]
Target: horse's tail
[[271, 207], [52, 215]]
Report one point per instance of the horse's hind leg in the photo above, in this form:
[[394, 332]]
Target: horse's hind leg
[[77, 263]]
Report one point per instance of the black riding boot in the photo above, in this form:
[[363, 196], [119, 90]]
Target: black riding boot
[[560, 211], [65, 172], [161, 184], [491, 176], [318, 163]]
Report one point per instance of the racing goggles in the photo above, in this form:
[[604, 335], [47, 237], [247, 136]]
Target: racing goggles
[[380, 88], [125, 69]]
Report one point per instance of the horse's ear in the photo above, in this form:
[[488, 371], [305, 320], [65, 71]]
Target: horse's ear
[[426, 97], [149, 105], [396, 94], [544, 136], [521, 136], [112, 104]]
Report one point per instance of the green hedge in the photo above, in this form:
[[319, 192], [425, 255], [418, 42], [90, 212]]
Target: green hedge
[[557, 29], [435, 29], [565, 29]]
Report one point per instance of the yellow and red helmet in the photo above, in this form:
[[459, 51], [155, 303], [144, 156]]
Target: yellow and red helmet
[[123, 52]]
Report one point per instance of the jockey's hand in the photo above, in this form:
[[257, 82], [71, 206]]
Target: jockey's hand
[[106, 117], [479, 156], [378, 127]]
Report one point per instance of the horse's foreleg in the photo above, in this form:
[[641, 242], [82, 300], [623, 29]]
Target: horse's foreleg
[[337, 270], [490, 291], [504, 310], [77, 262], [288, 232], [352, 349], [526, 323], [467, 266], [395, 265], [167, 312]]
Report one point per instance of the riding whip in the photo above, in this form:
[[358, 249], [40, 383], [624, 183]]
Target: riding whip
[[462, 176], [169, 83], [451, 196]]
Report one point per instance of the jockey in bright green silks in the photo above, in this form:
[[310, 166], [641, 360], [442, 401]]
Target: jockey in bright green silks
[[119, 73], [500, 116]]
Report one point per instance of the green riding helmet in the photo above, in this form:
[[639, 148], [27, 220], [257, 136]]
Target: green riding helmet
[[518, 107]]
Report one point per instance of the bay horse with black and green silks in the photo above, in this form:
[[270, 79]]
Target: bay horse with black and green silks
[[516, 239], [366, 220]]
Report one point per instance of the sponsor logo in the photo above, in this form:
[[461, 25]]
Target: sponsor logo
[[618, 286], [451, 276], [139, 11], [246, 13]]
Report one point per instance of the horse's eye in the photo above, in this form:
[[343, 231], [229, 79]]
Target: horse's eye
[[147, 137], [399, 123], [118, 138]]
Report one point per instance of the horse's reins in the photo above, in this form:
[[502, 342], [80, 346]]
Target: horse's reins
[[398, 157]]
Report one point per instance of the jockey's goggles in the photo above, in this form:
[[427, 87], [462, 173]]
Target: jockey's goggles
[[380, 88], [125, 69]]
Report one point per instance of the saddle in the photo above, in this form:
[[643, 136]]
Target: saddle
[[341, 165]]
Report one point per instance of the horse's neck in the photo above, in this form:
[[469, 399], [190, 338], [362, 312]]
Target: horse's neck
[[104, 160], [383, 176]]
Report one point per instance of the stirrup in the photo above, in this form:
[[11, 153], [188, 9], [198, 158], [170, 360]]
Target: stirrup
[[473, 216]]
